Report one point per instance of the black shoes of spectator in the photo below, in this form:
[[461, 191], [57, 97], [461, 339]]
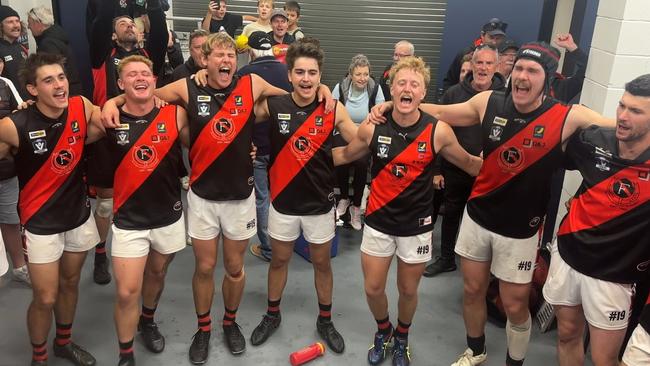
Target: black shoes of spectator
[[101, 275], [440, 265]]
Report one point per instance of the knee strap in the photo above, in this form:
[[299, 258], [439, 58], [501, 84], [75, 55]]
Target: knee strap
[[518, 336], [104, 207], [237, 277]]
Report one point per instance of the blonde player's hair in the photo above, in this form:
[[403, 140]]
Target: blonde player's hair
[[131, 59], [411, 63], [218, 40]]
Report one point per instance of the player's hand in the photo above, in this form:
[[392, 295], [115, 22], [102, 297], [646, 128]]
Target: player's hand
[[25, 104], [213, 7], [324, 93], [110, 115], [565, 40], [376, 115], [438, 182], [159, 103], [201, 77], [253, 152]]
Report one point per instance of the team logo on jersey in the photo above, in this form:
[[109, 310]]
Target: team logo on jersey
[[511, 158], [62, 161], [643, 266], [203, 98], [162, 128], [538, 132], [74, 125], [384, 139], [602, 163], [141, 122], [251, 180], [330, 196], [178, 205], [335, 132], [123, 127], [223, 129], [500, 121], [122, 137], [8, 58], [422, 146], [424, 221], [144, 156], [284, 116], [534, 221], [36, 134], [204, 109], [521, 121], [301, 147], [284, 127], [301, 113], [239, 101], [318, 121], [382, 151], [40, 146], [495, 133], [623, 193], [398, 171]]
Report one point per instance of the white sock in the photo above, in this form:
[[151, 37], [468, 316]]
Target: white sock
[[518, 337]]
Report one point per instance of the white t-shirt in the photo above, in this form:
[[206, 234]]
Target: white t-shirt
[[254, 27]]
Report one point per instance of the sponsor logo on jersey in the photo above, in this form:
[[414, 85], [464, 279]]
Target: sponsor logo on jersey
[[538, 132], [335, 132], [495, 133], [602, 163], [123, 127], [644, 175], [521, 121], [403, 134], [251, 180], [500, 121], [36, 134], [239, 101], [178, 205], [534, 221], [623, 193], [318, 121], [382, 151], [603, 152], [643, 266], [40, 146], [71, 140], [424, 221], [330, 196], [204, 109], [203, 98], [284, 116], [8, 58], [162, 128], [422, 146], [384, 139], [301, 113], [122, 138], [62, 161], [141, 122], [74, 125], [284, 127]]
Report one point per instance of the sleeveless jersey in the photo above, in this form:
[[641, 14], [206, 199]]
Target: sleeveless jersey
[[301, 173], [401, 191], [52, 195], [105, 77], [221, 133], [605, 233], [147, 191], [520, 152]]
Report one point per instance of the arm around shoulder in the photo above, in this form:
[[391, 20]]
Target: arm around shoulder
[[357, 148], [8, 136], [447, 144]]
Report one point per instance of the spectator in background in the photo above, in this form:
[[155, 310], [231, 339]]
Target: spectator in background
[[402, 49], [493, 33], [174, 59], [195, 62], [279, 23], [51, 38], [218, 19], [359, 92], [275, 73], [458, 184], [507, 52], [566, 88], [466, 67], [263, 22], [9, 221], [12, 51], [293, 13]]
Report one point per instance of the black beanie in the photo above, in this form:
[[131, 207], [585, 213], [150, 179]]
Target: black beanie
[[545, 55], [6, 12]]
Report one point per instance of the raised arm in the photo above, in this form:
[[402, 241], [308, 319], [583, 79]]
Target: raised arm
[[99, 34], [462, 114], [158, 36], [357, 148], [445, 141]]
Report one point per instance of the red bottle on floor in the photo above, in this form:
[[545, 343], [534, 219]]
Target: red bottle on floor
[[307, 354]]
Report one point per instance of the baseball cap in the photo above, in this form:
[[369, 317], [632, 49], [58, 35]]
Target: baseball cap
[[260, 41], [508, 44], [495, 27], [279, 12]]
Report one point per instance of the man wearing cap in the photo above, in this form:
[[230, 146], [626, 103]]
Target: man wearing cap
[[11, 50], [507, 52], [524, 134], [275, 73], [493, 33], [280, 37]]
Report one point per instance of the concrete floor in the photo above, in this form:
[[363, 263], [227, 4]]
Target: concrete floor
[[437, 335]]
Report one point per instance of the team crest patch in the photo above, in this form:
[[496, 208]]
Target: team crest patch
[[162, 128], [204, 109], [538, 132], [37, 134], [62, 161], [285, 116], [122, 137], [239, 101], [422, 146], [384, 139], [495, 133], [319, 121], [623, 193], [500, 121], [284, 127], [74, 125], [203, 98], [382, 151], [224, 130], [602, 164], [40, 146], [301, 147]]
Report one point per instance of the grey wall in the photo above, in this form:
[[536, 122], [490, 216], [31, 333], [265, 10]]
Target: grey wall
[[465, 18], [346, 28]]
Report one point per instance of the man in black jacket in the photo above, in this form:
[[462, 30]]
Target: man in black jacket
[[195, 62], [12, 51], [566, 88], [457, 183], [51, 38]]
